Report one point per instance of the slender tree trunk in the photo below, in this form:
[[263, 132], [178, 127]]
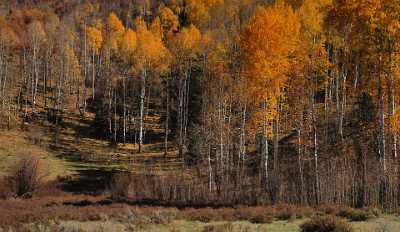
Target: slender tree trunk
[[382, 149], [299, 151], [4, 83], [276, 177], [221, 135], [392, 110], [343, 103], [210, 170], [115, 118], [110, 97], [186, 106], [242, 146], [166, 119], [314, 119], [85, 71], [182, 87], [142, 96], [93, 75], [124, 102], [34, 79], [266, 148]]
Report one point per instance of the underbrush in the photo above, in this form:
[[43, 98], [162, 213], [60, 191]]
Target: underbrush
[[52, 205], [326, 224], [355, 214], [255, 214], [24, 179]]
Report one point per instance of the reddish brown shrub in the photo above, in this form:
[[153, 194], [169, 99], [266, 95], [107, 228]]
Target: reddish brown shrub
[[328, 209], [326, 224], [25, 178], [202, 215], [285, 212], [354, 214], [255, 214], [120, 186], [5, 188]]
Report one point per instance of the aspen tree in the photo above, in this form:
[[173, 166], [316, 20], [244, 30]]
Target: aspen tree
[[268, 40], [95, 40], [149, 52]]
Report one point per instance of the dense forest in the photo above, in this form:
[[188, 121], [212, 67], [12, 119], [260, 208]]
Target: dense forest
[[262, 101]]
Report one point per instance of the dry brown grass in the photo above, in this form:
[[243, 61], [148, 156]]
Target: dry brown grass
[[16, 144]]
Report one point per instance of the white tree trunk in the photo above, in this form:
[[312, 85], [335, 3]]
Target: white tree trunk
[[142, 96], [343, 104]]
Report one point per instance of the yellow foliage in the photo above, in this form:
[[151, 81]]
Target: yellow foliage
[[312, 14], [270, 37], [114, 23], [95, 38], [395, 121], [115, 30], [128, 43], [150, 50], [8, 37], [187, 42], [269, 45], [155, 27], [169, 21], [199, 10], [36, 33]]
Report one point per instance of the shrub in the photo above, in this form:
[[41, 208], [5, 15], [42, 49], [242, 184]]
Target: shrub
[[376, 212], [5, 189], [305, 212], [328, 209], [120, 186], [326, 224], [285, 212], [354, 214], [202, 215], [257, 215], [261, 219], [25, 178]]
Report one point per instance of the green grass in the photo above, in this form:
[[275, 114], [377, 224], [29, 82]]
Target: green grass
[[386, 223]]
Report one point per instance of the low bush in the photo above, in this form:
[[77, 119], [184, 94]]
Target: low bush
[[257, 215], [376, 212], [5, 189], [120, 186], [354, 214], [25, 178], [261, 219], [326, 224], [305, 212], [202, 215], [285, 212], [328, 209]]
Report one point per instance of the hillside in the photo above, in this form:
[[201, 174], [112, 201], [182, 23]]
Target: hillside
[[202, 103]]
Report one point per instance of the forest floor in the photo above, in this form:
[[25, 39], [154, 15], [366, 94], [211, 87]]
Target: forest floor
[[76, 154], [84, 163]]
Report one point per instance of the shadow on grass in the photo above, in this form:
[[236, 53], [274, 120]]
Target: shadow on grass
[[88, 181]]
